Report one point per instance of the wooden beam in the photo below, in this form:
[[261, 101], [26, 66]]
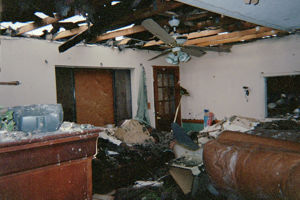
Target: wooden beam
[[139, 14], [124, 32], [199, 16], [189, 36], [124, 41], [240, 39], [35, 25], [235, 34], [69, 33], [73, 41]]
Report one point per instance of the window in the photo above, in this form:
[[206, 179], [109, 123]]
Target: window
[[283, 96]]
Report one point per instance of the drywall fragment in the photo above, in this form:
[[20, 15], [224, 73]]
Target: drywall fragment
[[132, 132]]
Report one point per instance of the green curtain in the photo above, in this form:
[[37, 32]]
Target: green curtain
[[142, 114]]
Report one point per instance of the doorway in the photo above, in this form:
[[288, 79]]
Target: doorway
[[94, 96], [166, 96]]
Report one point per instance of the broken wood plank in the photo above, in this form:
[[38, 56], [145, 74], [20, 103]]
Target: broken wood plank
[[143, 13], [69, 33], [124, 41], [189, 36], [240, 39], [228, 35], [74, 40], [37, 24], [124, 32]]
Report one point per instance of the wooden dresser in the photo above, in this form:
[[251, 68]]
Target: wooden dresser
[[53, 167]]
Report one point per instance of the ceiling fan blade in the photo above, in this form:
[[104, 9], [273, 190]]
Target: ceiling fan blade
[[158, 31], [193, 50], [161, 54], [216, 49]]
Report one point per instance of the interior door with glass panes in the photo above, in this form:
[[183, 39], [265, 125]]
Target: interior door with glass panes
[[166, 96]]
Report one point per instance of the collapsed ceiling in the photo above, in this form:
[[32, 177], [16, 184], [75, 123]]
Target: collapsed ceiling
[[103, 20]]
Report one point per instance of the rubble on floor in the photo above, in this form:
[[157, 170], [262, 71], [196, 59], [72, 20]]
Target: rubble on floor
[[173, 155], [234, 123], [121, 162], [279, 129]]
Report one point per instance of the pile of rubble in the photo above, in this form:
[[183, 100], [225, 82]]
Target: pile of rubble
[[170, 163]]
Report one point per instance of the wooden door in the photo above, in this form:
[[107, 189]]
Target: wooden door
[[166, 96], [94, 96]]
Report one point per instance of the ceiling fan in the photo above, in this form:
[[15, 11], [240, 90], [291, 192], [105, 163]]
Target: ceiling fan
[[177, 51]]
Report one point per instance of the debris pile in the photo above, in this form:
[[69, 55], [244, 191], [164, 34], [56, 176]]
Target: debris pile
[[66, 127], [132, 132], [127, 154], [234, 123], [278, 129]]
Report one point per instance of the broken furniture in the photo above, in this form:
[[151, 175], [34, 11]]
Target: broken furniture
[[253, 167], [52, 166]]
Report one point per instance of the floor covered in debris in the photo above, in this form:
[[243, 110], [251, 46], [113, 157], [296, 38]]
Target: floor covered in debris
[[137, 162]]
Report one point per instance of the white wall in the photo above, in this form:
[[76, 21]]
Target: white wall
[[215, 80], [32, 62]]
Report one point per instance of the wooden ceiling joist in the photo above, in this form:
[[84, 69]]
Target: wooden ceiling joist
[[235, 34], [240, 39], [140, 14], [124, 41], [35, 25], [189, 36], [69, 33], [124, 32]]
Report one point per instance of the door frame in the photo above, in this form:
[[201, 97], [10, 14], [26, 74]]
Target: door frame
[[113, 70], [177, 94]]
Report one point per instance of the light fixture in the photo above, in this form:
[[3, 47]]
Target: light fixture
[[177, 56], [174, 22], [183, 57], [172, 59]]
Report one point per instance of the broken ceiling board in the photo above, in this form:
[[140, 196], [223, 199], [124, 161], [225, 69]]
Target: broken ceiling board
[[183, 177], [35, 25], [125, 20], [124, 32], [190, 36], [282, 15], [73, 41], [240, 39], [69, 33], [228, 35]]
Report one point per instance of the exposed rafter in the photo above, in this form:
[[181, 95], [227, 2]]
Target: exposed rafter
[[124, 32], [240, 39], [189, 36], [70, 33], [124, 20], [37, 24], [236, 34]]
